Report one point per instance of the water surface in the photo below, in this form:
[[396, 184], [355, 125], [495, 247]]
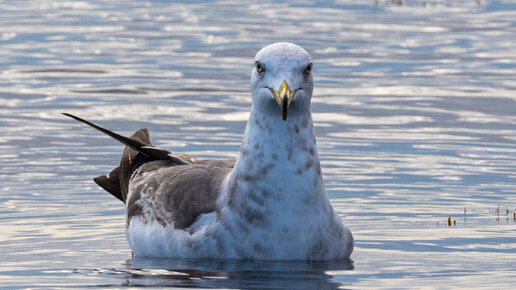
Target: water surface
[[414, 109]]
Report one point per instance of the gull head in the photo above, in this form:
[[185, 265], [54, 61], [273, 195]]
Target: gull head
[[282, 81]]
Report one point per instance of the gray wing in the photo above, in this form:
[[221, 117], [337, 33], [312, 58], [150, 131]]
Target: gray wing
[[184, 185], [176, 194], [167, 186]]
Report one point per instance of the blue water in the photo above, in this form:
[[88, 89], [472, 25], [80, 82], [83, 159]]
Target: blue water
[[414, 109]]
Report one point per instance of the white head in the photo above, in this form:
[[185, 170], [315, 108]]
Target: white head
[[282, 82]]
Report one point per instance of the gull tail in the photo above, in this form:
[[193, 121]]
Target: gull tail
[[138, 151]]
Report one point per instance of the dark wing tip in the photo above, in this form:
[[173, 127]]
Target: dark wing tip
[[134, 144], [74, 117], [152, 152], [111, 183]]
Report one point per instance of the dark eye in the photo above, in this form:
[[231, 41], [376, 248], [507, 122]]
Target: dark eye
[[259, 68], [308, 69]]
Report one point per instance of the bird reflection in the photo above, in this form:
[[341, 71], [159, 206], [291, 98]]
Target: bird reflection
[[143, 272]]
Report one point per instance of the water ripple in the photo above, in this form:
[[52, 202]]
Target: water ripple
[[413, 109]]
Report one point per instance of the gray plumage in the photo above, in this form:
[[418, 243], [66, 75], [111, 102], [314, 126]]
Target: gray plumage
[[184, 185], [184, 192]]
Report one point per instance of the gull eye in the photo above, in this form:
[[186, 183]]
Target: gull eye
[[308, 69], [259, 67]]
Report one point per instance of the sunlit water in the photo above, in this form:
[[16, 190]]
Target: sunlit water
[[415, 118]]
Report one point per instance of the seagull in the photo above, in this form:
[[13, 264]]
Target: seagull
[[267, 204]]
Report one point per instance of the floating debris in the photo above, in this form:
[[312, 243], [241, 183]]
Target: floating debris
[[424, 3], [507, 211], [497, 211], [449, 221]]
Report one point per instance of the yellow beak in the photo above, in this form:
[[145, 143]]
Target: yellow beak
[[284, 96]]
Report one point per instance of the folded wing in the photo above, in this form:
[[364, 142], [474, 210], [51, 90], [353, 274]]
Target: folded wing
[[166, 186]]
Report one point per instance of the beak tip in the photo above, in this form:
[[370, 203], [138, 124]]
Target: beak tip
[[285, 108]]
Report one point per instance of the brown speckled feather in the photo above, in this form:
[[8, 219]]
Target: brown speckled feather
[[171, 193], [175, 194], [176, 189]]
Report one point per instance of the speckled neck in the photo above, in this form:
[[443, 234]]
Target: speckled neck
[[274, 204], [277, 164]]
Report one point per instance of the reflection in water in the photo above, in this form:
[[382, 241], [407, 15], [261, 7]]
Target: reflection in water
[[228, 274], [413, 109]]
